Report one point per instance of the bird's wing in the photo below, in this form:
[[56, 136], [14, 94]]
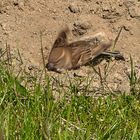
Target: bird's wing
[[61, 39], [83, 52], [61, 58]]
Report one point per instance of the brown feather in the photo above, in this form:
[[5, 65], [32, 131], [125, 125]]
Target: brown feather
[[61, 40], [75, 54]]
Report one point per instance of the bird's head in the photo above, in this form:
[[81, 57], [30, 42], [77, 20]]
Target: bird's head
[[50, 67]]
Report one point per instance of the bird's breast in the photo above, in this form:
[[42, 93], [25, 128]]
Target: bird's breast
[[61, 58], [67, 58]]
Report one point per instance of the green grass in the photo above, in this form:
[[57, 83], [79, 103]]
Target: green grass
[[33, 113]]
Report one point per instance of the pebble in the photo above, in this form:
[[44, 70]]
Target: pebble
[[134, 12], [19, 4], [74, 8], [83, 24], [118, 78], [30, 67], [81, 27]]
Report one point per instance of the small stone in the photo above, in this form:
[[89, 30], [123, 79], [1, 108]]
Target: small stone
[[74, 8], [30, 67], [3, 25], [79, 32], [83, 24], [127, 57], [106, 8], [81, 27], [15, 2], [21, 5], [127, 28], [118, 78], [103, 62], [124, 87], [134, 12], [113, 86]]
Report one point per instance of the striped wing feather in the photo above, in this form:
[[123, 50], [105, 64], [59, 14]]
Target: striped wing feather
[[83, 52]]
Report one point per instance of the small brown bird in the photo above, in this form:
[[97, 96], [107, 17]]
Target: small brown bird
[[69, 56]]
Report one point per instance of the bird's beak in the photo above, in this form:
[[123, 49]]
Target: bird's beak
[[50, 67]]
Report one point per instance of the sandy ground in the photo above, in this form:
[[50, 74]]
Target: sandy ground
[[22, 21]]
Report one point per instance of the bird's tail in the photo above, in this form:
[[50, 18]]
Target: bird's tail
[[100, 48]]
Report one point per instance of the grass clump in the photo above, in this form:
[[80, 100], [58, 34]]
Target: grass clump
[[33, 113]]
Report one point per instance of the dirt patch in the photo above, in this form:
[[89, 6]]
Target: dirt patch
[[21, 22]]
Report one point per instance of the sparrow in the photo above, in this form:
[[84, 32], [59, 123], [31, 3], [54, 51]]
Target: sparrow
[[68, 56]]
